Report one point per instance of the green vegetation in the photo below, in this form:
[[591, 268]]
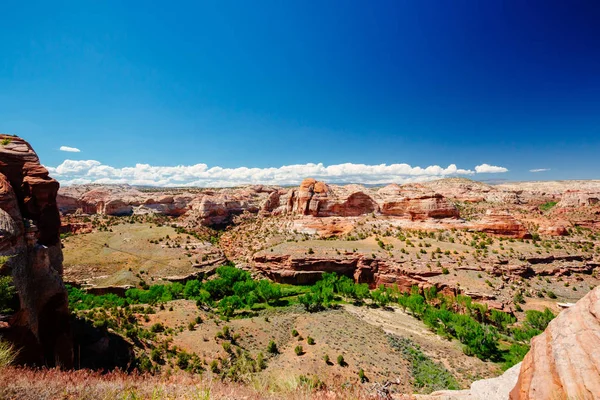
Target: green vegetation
[[427, 375], [7, 354], [6, 141], [487, 334], [232, 290], [362, 376], [547, 206], [272, 347], [7, 293]]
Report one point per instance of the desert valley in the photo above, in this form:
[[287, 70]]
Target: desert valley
[[445, 289]]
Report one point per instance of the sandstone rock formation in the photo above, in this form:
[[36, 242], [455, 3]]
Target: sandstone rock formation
[[414, 202], [579, 198], [501, 223], [29, 235], [321, 200], [297, 269], [564, 361]]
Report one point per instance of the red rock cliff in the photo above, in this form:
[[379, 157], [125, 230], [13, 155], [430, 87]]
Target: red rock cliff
[[29, 235]]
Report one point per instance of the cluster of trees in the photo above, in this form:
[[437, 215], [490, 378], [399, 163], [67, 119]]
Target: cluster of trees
[[323, 293], [480, 330], [233, 289]]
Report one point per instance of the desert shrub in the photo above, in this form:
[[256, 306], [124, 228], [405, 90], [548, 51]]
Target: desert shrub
[[299, 350], [294, 333], [310, 341], [272, 347], [362, 376], [427, 375], [340, 360], [214, 366], [260, 362]]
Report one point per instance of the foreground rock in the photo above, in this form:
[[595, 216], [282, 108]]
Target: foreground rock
[[564, 361], [487, 389], [29, 235]]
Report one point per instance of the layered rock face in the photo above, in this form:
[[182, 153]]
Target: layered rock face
[[414, 202], [295, 269], [579, 198], [501, 223], [564, 361], [321, 200], [29, 235]]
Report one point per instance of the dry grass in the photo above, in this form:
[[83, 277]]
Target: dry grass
[[23, 383], [7, 354]]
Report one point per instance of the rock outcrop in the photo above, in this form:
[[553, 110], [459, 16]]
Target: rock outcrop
[[414, 202], [501, 223], [564, 361], [321, 200], [298, 269], [579, 198], [29, 236]]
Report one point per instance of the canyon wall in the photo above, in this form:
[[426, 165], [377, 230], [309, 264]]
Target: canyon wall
[[29, 238]]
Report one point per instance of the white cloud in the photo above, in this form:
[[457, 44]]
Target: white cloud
[[72, 172], [489, 169], [539, 170], [70, 149]]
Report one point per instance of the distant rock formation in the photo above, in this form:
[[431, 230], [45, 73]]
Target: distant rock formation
[[501, 223], [29, 235], [414, 202], [579, 198]]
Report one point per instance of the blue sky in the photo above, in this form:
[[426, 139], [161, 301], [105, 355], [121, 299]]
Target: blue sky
[[267, 84]]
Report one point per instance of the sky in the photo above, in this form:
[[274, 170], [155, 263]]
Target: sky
[[220, 93]]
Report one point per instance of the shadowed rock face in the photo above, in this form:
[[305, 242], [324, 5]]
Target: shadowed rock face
[[29, 234]]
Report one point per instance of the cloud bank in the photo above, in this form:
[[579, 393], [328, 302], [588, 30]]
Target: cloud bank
[[70, 149], [539, 170], [489, 169], [200, 175]]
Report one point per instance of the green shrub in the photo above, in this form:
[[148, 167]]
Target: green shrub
[[272, 347], [299, 350], [310, 341], [340, 360], [294, 333], [214, 366], [7, 293], [362, 376]]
